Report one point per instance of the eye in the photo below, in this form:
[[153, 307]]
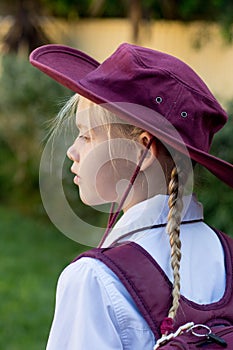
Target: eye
[[84, 137]]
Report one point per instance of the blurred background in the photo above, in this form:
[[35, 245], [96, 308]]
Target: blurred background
[[32, 251]]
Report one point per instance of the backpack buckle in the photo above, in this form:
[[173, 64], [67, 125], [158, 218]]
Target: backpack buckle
[[203, 331]]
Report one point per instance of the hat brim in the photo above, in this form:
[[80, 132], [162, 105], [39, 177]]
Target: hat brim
[[69, 66]]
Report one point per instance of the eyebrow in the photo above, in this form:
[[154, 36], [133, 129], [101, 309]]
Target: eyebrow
[[80, 126]]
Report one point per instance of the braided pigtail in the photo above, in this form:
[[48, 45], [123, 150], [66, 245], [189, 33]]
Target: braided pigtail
[[176, 189]]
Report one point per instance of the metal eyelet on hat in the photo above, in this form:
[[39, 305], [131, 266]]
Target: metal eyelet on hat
[[184, 114], [158, 99]]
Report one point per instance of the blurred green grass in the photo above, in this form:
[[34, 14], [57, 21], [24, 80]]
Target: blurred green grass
[[32, 257]]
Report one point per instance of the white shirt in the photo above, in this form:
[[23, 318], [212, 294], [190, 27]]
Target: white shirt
[[94, 310]]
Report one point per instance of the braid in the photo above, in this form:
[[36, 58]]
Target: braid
[[175, 202]]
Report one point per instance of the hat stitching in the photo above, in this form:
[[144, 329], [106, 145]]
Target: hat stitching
[[172, 75], [168, 73], [56, 49], [199, 93], [138, 58], [175, 102]]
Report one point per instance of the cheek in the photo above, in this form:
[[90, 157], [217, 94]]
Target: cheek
[[101, 183], [104, 178], [97, 177], [106, 182], [99, 189], [113, 178]]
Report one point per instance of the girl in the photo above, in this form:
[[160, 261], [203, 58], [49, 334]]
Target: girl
[[145, 118]]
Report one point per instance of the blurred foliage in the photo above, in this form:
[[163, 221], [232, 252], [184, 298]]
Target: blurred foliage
[[27, 29], [185, 10], [220, 11], [217, 197], [29, 100], [86, 8]]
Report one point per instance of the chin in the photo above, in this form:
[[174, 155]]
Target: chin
[[92, 200], [92, 196]]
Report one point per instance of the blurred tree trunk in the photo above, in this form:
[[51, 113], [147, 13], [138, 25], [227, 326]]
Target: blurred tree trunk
[[135, 16], [134, 12], [169, 9], [26, 31]]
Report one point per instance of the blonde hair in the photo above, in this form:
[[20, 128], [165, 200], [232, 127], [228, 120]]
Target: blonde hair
[[102, 116], [175, 175], [175, 202]]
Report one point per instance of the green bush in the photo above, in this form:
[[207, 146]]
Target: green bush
[[29, 100], [217, 197]]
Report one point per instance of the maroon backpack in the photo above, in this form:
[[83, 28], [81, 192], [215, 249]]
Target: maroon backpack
[[211, 325]]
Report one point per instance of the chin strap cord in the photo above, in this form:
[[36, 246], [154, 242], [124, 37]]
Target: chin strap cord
[[114, 216]]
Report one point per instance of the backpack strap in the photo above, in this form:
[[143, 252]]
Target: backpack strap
[[143, 278], [228, 242], [151, 289]]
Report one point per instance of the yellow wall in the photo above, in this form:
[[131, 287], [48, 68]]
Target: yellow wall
[[99, 38]]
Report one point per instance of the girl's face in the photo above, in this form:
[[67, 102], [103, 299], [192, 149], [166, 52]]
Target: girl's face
[[98, 177]]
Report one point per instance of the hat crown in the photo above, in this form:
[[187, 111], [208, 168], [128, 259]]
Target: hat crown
[[163, 83]]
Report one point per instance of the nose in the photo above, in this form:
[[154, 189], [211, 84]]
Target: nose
[[72, 153]]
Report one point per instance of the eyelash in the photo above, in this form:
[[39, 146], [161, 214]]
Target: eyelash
[[83, 137]]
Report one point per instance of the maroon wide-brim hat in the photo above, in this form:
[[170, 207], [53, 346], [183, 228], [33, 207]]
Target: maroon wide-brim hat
[[149, 89]]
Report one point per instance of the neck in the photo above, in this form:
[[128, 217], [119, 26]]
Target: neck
[[144, 188]]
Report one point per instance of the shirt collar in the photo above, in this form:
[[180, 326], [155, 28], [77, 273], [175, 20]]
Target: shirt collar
[[153, 211]]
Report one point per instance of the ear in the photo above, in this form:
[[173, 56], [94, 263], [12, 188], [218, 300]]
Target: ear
[[144, 139]]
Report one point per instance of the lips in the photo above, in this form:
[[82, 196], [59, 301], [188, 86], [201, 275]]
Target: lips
[[76, 180], [76, 177]]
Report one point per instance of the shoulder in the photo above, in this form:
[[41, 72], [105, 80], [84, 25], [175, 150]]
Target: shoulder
[[88, 275], [90, 282], [90, 298], [84, 271]]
